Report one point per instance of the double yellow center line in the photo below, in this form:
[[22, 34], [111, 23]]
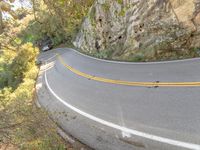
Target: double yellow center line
[[128, 83]]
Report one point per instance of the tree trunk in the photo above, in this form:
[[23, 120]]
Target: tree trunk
[[34, 11], [1, 22]]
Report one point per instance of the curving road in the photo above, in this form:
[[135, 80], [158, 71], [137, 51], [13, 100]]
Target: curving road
[[169, 115]]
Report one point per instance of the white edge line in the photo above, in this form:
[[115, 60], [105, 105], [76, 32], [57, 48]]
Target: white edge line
[[124, 129], [132, 63]]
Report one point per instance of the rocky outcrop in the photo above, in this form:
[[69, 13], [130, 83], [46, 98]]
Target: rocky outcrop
[[141, 29]]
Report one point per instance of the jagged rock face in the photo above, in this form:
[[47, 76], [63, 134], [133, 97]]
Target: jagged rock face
[[128, 28]]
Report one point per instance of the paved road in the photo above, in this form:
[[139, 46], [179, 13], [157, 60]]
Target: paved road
[[172, 113]]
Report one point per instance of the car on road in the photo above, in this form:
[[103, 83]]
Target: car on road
[[45, 44]]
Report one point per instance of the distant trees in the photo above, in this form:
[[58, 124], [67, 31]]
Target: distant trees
[[59, 19]]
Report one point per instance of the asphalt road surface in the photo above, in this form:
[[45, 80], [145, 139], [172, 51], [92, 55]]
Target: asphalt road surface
[[169, 115]]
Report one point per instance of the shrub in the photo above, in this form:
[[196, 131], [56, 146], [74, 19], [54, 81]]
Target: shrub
[[22, 63]]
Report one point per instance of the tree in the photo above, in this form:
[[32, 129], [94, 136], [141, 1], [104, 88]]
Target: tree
[[59, 19], [5, 6]]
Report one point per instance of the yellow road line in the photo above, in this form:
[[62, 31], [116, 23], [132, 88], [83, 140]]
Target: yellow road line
[[129, 83]]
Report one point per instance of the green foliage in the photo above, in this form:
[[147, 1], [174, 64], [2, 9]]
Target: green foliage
[[92, 16], [6, 59], [24, 91], [4, 97], [60, 20], [120, 1], [122, 12], [32, 73], [138, 58], [19, 69], [106, 54], [106, 6], [21, 64], [22, 123], [196, 50]]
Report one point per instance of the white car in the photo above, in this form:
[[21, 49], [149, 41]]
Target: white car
[[46, 48], [46, 45]]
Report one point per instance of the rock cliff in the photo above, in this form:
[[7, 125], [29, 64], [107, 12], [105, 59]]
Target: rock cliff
[[141, 30]]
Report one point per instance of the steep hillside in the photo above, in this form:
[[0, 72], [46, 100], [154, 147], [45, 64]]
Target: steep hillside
[[141, 30]]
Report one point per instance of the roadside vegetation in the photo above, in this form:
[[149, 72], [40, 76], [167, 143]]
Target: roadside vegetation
[[58, 20], [22, 124]]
